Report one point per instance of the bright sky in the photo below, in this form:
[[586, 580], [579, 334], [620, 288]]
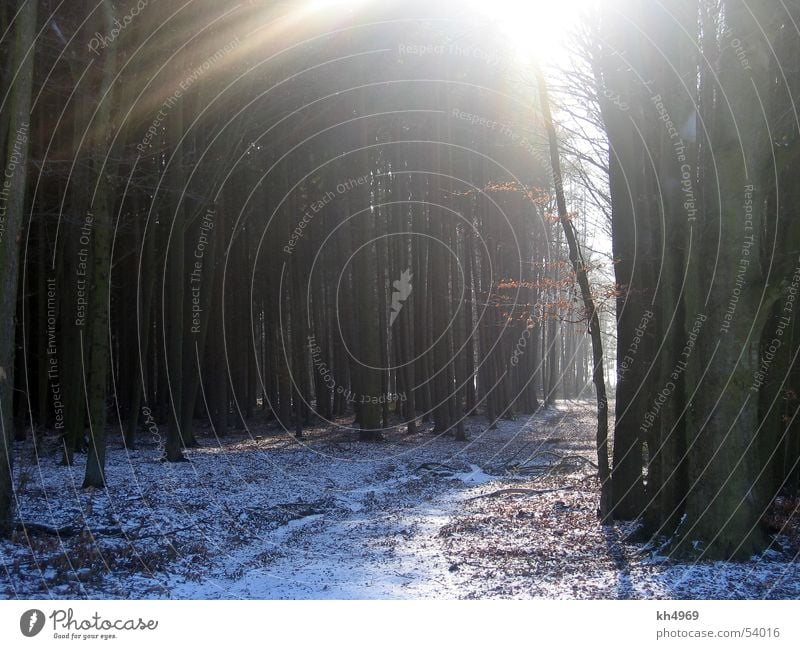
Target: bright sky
[[535, 28]]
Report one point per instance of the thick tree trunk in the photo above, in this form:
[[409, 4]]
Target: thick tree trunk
[[98, 340], [724, 503], [13, 191], [635, 251]]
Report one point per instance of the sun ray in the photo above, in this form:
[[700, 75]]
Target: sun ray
[[535, 29]]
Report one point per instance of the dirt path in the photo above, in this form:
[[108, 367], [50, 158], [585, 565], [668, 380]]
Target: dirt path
[[264, 516]]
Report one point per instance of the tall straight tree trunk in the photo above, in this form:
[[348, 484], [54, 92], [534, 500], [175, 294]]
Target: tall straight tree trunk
[[12, 213], [144, 306], [724, 504], [216, 379], [41, 320], [201, 283], [635, 250], [419, 259], [366, 277], [69, 236], [439, 300], [98, 341], [403, 328], [469, 314], [175, 279], [674, 55]]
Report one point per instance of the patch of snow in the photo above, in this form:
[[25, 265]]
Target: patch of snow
[[475, 475], [269, 518]]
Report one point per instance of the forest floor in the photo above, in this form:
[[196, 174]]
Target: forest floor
[[262, 515]]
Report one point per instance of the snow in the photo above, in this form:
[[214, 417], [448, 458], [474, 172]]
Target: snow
[[261, 515], [475, 475]]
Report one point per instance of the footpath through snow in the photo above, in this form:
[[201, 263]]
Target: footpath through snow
[[511, 513]]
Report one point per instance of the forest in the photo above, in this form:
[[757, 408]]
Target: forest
[[354, 299]]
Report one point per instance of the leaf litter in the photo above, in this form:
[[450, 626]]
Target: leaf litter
[[511, 513]]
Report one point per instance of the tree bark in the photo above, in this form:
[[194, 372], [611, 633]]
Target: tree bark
[[99, 335], [12, 216], [579, 267]]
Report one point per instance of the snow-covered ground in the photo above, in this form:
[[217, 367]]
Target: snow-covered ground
[[264, 516]]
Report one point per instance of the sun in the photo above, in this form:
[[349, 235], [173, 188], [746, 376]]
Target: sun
[[535, 29]]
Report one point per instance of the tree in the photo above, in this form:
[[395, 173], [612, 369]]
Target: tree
[[15, 112], [100, 221], [581, 274], [695, 329]]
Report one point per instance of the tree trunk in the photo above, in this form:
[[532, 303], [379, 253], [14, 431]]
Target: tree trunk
[[579, 267], [12, 216]]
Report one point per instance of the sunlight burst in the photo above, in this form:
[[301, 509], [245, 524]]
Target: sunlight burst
[[533, 29], [536, 29]]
